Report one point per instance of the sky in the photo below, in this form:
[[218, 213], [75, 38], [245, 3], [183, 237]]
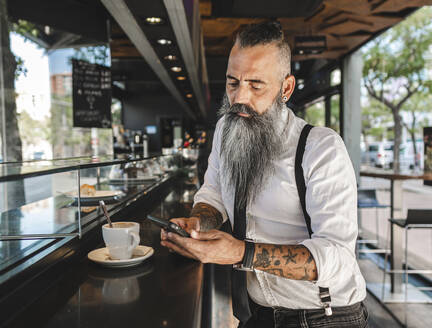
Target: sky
[[36, 81], [34, 87]]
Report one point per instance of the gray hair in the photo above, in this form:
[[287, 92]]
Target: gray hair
[[267, 33]]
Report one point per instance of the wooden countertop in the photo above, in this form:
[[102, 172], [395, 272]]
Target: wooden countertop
[[391, 175]]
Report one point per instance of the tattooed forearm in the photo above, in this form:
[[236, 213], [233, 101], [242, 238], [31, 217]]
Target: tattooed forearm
[[288, 261], [210, 218]]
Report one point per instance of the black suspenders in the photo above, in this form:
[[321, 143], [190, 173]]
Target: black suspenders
[[324, 292]]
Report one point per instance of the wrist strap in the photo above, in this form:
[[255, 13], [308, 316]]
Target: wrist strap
[[248, 254]]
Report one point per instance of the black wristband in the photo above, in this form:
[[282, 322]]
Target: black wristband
[[248, 255]]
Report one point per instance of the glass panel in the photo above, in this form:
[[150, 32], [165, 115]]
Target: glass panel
[[335, 109], [315, 114], [36, 92], [335, 77], [38, 205]]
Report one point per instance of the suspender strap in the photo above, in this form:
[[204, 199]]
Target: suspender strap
[[324, 292], [300, 181]]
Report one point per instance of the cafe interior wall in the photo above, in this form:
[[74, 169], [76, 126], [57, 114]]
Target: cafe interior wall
[[147, 106]]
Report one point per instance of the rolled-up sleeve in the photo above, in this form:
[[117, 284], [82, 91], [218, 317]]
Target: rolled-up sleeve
[[210, 192], [331, 202]]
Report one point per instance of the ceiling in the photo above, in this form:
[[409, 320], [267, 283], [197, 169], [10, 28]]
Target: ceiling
[[211, 25], [345, 24]]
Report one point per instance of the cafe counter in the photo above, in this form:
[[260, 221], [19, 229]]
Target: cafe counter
[[65, 289]]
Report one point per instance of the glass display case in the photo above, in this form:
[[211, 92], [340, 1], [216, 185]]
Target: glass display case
[[46, 202]]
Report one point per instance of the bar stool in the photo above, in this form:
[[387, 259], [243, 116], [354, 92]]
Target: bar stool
[[416, 219], [367, 198]]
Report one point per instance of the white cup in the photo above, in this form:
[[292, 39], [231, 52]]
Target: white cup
[[121, 239]]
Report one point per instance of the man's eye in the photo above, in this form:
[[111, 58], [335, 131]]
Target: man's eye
[[255, 87], [233, 84]]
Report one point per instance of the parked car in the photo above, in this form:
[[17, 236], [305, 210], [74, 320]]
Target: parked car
[[407, 157], [379, 154], [38, 155]]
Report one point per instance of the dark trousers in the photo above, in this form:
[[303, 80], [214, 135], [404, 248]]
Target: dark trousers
[[352, 316]]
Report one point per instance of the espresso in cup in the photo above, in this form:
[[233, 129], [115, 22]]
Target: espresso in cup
[[121, 239]]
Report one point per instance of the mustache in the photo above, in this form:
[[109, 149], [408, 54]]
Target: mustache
[[242, 109]]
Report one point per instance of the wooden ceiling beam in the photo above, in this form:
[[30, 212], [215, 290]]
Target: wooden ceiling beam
[[346, 26], [205, 8], [125, 52], [361, 7]]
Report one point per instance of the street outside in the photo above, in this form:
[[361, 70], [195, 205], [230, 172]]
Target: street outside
[[415, 196]]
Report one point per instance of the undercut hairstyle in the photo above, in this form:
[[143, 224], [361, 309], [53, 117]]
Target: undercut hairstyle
[[267, 33]]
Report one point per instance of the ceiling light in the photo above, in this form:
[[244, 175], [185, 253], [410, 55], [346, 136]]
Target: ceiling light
[[181, 78], [188, 95], [154, 20], [170, 57], [176, 69], [164, 42]]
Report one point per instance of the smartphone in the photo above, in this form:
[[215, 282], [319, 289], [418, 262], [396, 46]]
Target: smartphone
[[168, 225]]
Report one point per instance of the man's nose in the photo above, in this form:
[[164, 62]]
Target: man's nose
[[242, 95]]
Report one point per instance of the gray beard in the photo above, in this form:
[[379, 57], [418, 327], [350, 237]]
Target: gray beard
[[249, 147]]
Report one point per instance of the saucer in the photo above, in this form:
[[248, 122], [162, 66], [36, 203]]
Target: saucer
[[101, 256]]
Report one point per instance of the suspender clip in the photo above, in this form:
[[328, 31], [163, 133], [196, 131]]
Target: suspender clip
[[328, 309], [324, 295]]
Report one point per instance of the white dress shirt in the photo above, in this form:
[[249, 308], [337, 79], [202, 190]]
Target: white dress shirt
[[276, 217]]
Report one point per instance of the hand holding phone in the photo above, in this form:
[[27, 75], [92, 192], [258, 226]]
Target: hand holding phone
[[168, 225]]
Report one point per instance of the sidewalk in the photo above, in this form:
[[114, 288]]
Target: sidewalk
[[417, 186]]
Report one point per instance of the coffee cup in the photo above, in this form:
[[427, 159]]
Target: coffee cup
[[121, 239]]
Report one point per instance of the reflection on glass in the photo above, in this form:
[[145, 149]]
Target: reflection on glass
[[120, 290], [39, 119]]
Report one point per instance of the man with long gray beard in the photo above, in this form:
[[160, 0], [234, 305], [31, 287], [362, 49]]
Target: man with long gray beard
[[290, 197]]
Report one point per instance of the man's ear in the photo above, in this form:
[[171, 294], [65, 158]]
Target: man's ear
[[288, 86]]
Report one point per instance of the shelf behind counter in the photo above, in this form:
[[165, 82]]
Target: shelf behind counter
[[64, 289]]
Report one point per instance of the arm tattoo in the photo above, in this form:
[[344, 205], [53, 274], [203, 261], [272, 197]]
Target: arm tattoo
[[210, 218], [288, 261]]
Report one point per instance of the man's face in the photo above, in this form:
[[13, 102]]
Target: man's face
[[254, 77]]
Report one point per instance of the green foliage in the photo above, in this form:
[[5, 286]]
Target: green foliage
[[20, 68], [95, 55], [375, 118], [395, 63], [25, 28], [315, 114], [334, 116], [116, 112], [31, 130], [418, 103], [396, 68]]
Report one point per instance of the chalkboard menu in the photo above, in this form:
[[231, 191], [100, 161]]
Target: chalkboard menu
[[91, 85]]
